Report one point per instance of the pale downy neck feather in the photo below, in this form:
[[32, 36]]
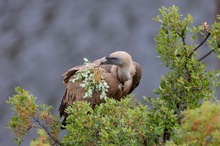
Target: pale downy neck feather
[[123, 73]]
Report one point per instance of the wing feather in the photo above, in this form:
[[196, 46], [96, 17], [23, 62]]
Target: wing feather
[[74, 92], [136, 77]]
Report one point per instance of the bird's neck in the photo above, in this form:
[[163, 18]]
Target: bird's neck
[[123, 73]]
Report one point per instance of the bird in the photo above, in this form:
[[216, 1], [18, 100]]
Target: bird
[[119, 71]]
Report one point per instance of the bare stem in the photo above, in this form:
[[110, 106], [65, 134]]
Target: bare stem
[[203, 57], [201, 43], [204, 40], [48, 133]]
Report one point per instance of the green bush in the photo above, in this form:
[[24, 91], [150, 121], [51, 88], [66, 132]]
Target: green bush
[[27, 115], [188, 83], [111, 123], [200, 126]]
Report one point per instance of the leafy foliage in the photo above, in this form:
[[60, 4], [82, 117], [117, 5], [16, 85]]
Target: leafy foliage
[[111, 123], [200, 126], [188, 83], [42, 140], [91, 78], [24, 106], [28, 115]]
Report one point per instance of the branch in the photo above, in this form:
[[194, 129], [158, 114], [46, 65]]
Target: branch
[[201, 43], [203, 57], [182, 35], [48, 133], [210, 52], [207, 36]]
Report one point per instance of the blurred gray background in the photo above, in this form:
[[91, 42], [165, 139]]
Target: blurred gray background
[[41, 39]]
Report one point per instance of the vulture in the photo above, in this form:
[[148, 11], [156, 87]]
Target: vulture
[[120, 73]]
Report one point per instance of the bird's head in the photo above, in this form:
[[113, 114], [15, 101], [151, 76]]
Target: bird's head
[[119, 58]]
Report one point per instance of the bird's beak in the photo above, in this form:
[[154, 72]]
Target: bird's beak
[[111, 60]]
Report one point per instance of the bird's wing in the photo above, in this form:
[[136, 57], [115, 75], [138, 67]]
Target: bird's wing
[[136, 77], [68, 74], [74, 92], [115, 89], [69, 97], [107, 67]]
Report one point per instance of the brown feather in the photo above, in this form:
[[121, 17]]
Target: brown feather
[[136, 77], [75, 93]]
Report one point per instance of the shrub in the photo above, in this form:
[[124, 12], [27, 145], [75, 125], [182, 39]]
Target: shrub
[[27, 115], [113, 122], [188, 83], [200, 126]]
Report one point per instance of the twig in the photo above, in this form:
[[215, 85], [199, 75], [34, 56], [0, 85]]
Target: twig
[[182, 35], [207, 36], [203, 57], [210, 52], [201, 43], [207, 29], [204, 40], [48, 133]]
